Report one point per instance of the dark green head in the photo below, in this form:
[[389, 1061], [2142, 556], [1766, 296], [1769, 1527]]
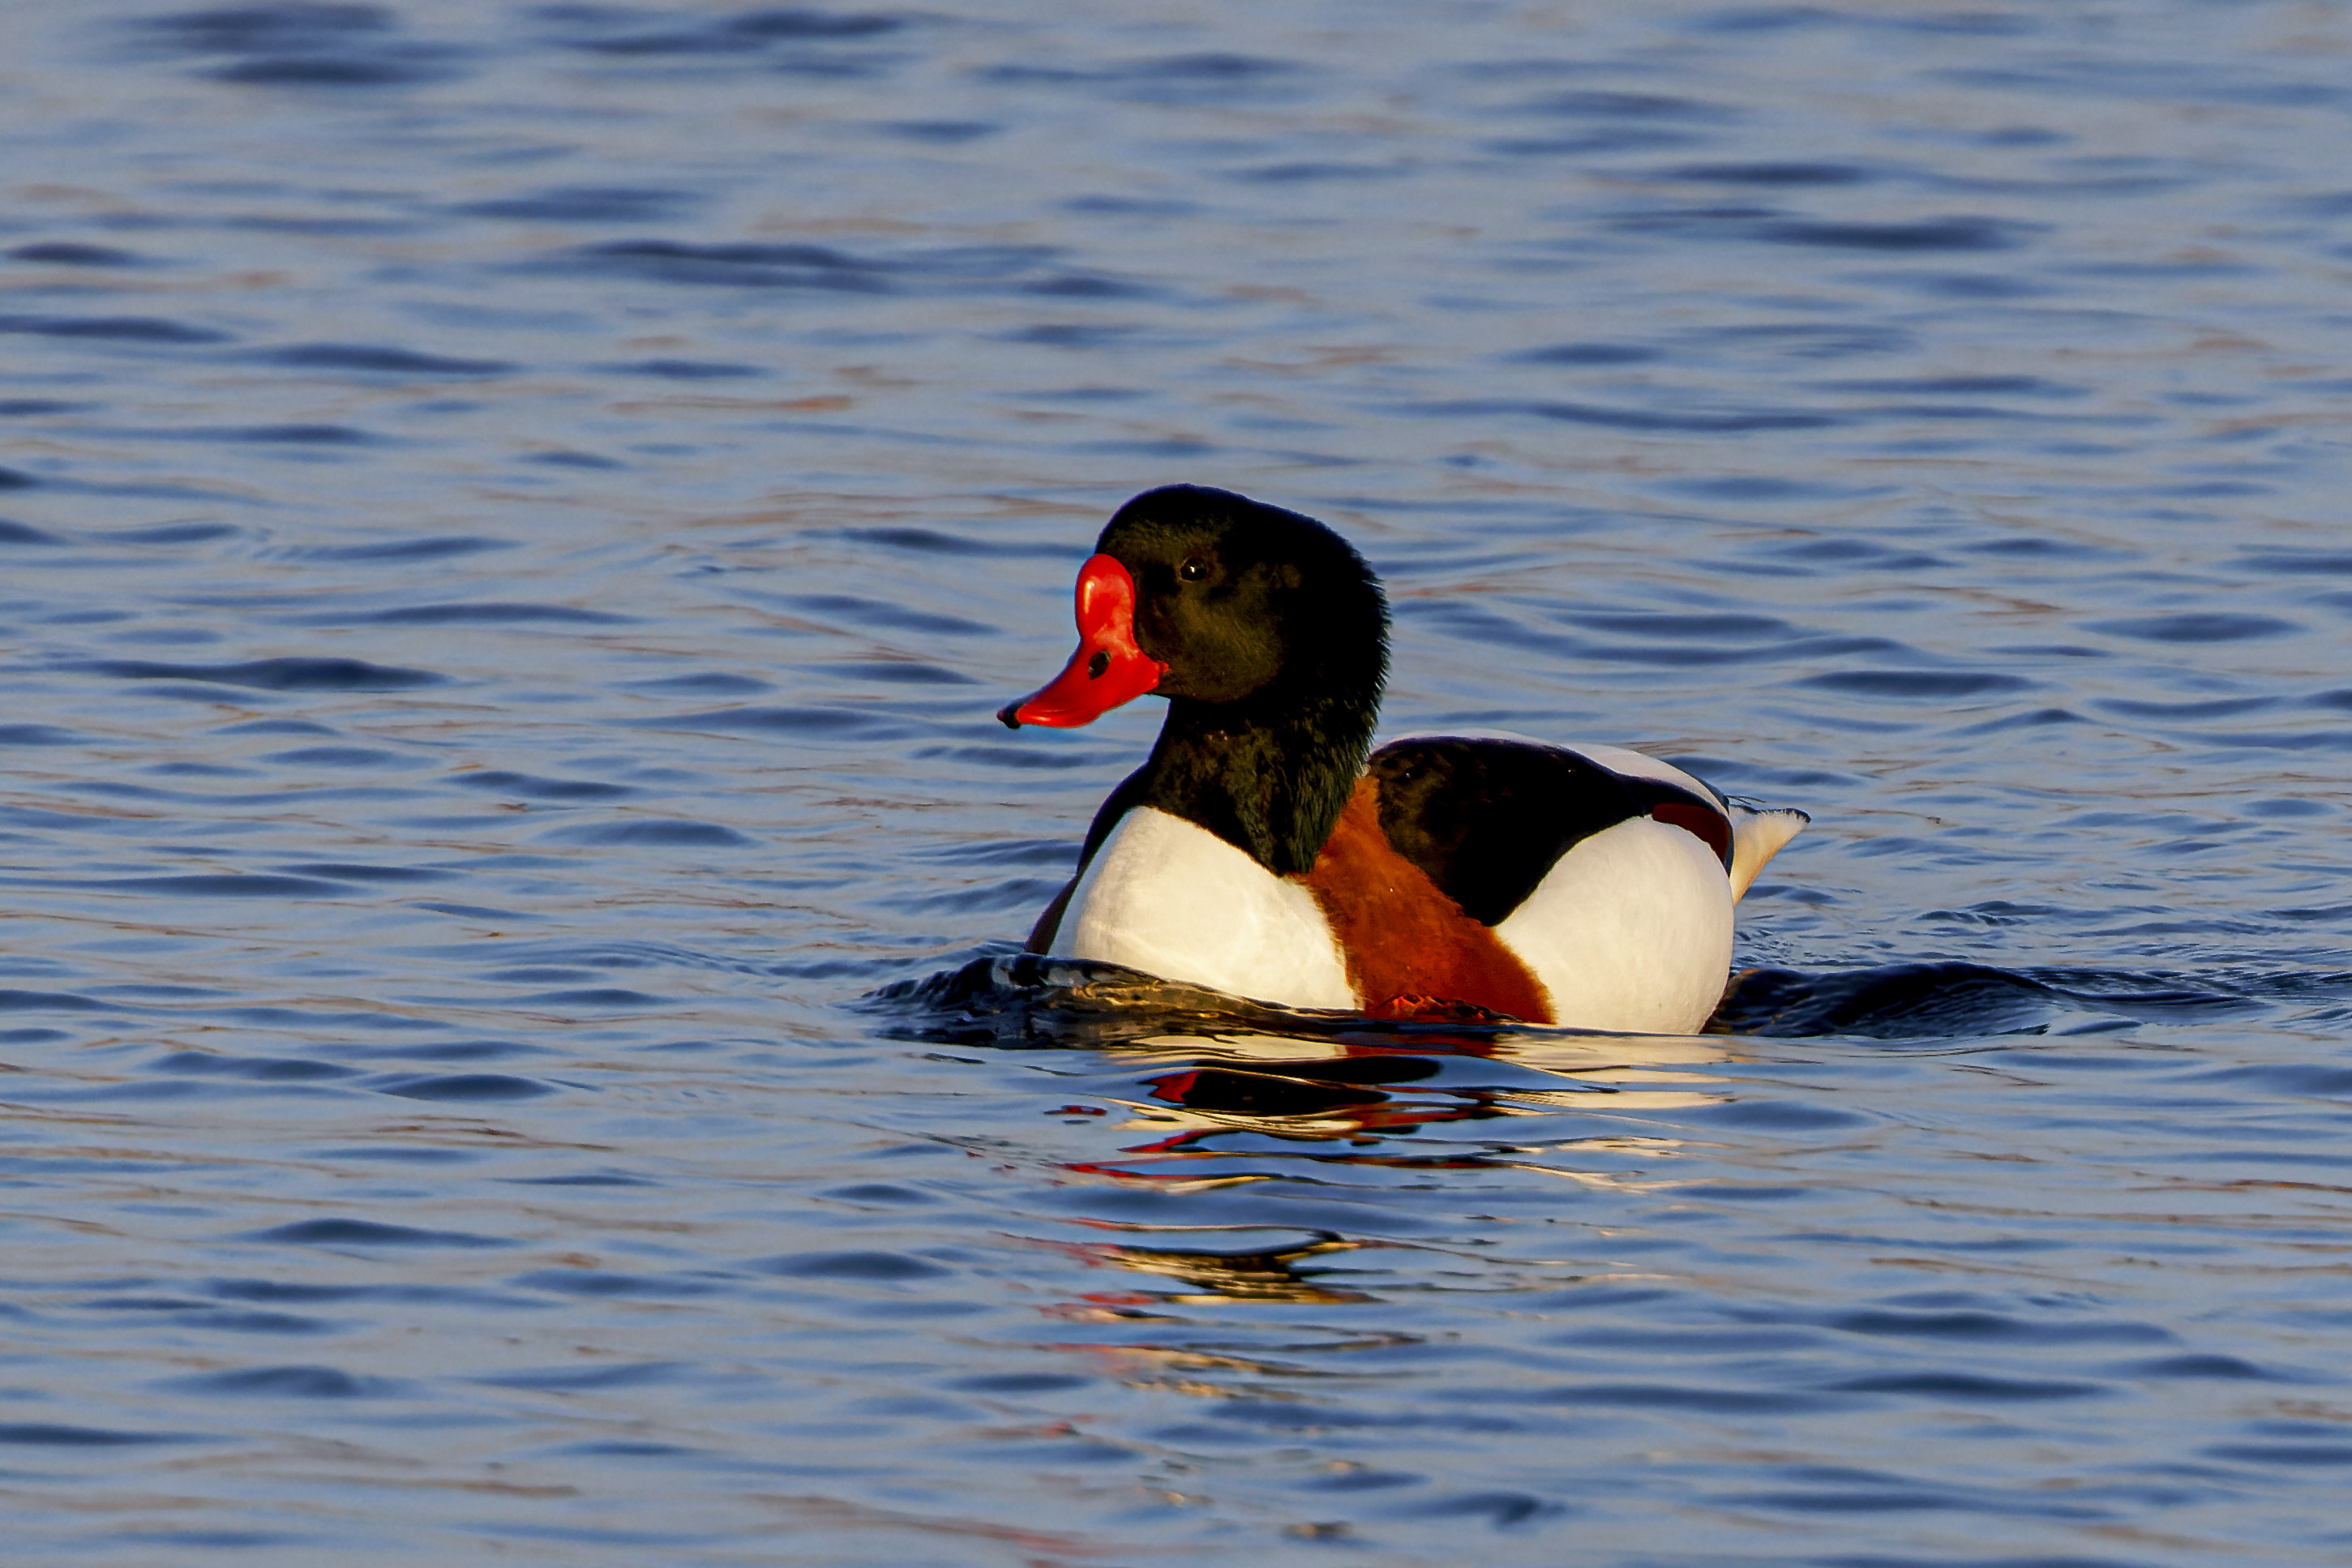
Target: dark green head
[[1248, 604]]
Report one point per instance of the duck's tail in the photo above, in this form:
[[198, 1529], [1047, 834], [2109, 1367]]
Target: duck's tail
[[1756, 837]]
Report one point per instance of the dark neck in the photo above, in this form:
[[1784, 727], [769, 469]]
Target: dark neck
[[1266, 774]]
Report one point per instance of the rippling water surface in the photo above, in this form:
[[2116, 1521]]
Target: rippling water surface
[[516, 518]]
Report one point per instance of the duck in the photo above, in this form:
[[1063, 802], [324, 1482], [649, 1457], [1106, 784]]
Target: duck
[[1266, 850]]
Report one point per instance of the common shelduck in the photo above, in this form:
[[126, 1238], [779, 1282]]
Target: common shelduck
[[1262, 852]]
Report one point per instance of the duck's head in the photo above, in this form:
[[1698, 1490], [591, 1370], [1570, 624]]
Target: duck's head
[[1205, 597]]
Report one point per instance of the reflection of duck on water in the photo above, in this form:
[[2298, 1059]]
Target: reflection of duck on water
[[1261, 852], [1269, 1274], [1335, 1103]]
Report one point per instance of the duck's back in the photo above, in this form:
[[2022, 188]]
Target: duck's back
[[1587, 886]]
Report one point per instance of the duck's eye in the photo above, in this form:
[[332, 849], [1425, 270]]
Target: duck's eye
[[1193, 570]]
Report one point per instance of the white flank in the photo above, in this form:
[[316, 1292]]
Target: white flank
[[1756, 837], [1173, 900], [1629, 931]]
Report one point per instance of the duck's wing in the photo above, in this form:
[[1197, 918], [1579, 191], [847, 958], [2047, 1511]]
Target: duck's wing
[[1756, 834], [1487, 816]]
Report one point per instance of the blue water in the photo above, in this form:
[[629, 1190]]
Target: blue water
[[516, 519]]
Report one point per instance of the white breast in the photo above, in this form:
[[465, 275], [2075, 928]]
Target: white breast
[[1173, 900], [1629, 931]]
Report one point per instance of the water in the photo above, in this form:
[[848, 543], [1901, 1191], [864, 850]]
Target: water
[[516, 519]]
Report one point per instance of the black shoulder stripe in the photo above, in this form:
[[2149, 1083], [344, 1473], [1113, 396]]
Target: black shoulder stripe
[[1488, 819]]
